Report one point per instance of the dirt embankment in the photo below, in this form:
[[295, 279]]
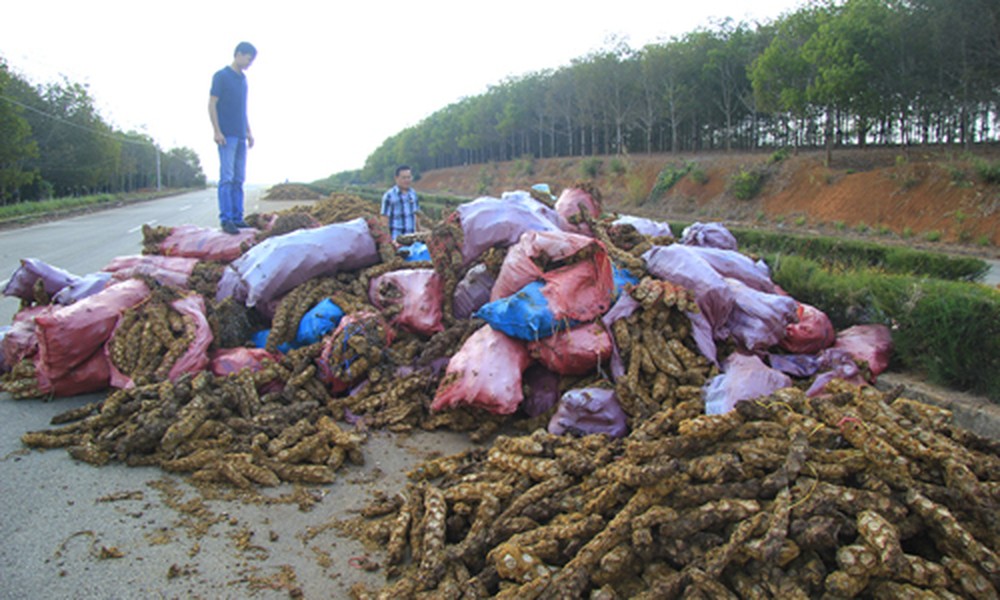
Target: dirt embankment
[[930, 198]]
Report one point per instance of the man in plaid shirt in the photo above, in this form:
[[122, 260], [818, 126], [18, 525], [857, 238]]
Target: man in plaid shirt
[[400, 204]]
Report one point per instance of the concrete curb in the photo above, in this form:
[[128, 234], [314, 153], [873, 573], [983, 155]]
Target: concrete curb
[[977, 414]]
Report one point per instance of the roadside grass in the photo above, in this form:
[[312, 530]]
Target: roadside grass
[[55, 206]]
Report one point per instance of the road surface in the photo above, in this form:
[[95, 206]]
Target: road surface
[[62, 522]]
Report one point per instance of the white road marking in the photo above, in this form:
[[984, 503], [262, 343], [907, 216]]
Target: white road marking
[[186, 207], [139, 228]]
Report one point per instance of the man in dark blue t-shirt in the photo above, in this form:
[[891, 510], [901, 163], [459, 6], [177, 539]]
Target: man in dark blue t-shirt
[[227, 107]]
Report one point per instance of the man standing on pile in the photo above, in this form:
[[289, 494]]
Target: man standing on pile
[[400, 205], [227, 108]]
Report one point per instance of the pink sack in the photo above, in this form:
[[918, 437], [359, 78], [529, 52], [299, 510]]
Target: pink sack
[[419, 291], [571, 201], [173, 271], [485, 373], [813, 331], [575, 351], [206, 243], [229, 361], [582, 288], [869, 343], [69, 335]]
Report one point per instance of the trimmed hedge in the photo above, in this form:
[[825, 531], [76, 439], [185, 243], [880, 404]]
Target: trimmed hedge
[[856, 254], [946, 329]]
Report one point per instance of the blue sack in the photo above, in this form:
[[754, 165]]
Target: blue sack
[[525, 315], [622, 277], [259, 340], [415, 252], [319, 321]]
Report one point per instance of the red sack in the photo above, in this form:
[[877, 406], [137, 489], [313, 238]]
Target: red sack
[[812, 333], [194, 359], [581, 287], [419, 291], [337, 356], [206, 243], [21, 340], [91, 375], [485, 373], [869, 343], [173, 271], [69, 335], [229, 361], [574, 351]]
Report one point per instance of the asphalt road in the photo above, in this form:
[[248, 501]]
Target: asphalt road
[[71, 530]]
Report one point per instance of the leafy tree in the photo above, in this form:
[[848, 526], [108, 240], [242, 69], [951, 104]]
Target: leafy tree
[[16, 144]]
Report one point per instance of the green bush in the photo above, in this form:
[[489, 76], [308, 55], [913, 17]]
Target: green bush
[[698, 175], [778, 155], [670, 174], [591, 167], [988, 171], [618, 166], [746, 184], [946, 329]]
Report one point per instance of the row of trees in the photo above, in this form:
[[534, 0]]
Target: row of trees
[[830, 73], [54, 143]]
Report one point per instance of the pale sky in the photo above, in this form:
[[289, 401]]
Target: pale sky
[[332, 80]]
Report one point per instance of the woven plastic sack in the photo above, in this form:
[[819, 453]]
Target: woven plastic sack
[[575, 351], [173, 271], [576, 271], [206, 243], [744, 377], [281, 263], [811, 333], [485, 373], [22, 281], [472, 292], [418, 292], [487, 222], [589, 411], [711, 235], [69, 335]]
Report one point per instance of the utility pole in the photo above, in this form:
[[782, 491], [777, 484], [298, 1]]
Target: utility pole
[[158, 183]]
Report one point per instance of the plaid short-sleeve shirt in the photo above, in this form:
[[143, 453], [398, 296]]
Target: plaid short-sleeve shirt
[[401, 209]]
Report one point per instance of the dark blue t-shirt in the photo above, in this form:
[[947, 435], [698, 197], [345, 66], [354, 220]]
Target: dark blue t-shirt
[[230, 87]]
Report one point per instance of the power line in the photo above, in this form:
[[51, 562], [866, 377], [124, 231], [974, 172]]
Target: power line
[[77, 125]]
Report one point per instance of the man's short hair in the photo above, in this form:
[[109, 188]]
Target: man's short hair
[[402, 168], [245, 48]]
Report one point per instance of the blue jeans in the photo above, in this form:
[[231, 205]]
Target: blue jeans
[[232, 173]]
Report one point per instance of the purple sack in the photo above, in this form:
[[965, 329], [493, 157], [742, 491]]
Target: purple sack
[[541, 390], [472, 292], [711, 235], [759, 320], [589, 410], [281, 263], [744, 377], [85, 286], [22, 282], [644, 226], [488, 222]]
